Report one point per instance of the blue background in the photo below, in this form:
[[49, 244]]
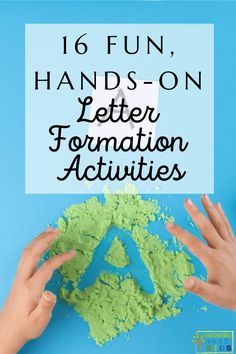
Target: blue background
[[23, 216]]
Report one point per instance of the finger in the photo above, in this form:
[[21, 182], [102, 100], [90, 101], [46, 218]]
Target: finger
[[226, 221], [45, 272], [197, 247], [207, 230], [43, 311], [205, 290], [34, 252], [215, 218]]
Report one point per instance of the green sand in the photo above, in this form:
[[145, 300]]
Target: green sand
[[117, 255], [115, 304]]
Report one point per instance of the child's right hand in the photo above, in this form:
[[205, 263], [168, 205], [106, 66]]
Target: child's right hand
[[218, 255], [28, 308]]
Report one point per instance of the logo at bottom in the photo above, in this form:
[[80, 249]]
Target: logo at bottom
[[209, 342]]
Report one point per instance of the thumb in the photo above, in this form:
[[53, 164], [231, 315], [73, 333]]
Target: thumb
[[201, 288], [45, 306]]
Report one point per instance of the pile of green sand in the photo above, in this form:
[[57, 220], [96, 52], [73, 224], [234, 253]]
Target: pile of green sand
[[117, 255], [115, 304]]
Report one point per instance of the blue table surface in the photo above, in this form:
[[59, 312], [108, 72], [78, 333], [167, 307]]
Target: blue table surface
[[23, 216]]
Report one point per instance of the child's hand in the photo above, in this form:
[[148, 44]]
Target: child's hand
[[28, 308], [218, 255]]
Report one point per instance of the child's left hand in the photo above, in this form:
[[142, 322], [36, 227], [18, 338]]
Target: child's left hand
[[28, 308]]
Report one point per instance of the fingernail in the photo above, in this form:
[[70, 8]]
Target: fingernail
[[170, 225], [189, 283], [51, 229], [207, 199], [219, 205], [73, 252], [49, 296], [54, 230], [189, 202]]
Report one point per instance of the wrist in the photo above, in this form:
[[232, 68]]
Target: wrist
[[10, 346], [10, 342]]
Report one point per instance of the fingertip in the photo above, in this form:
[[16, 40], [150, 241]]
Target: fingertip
[[205, 197], [55, 231], [188, 202], [169, 225], [67, 256], [72, 253], [53, 234], [47, 302], [206, 202], [49, 297], [189, 283]]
